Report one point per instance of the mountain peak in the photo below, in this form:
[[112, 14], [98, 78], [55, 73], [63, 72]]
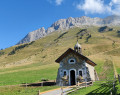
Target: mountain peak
[[64, 24]]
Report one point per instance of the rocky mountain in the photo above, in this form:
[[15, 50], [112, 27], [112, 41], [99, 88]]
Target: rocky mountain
[[33, 35], [64, 24]]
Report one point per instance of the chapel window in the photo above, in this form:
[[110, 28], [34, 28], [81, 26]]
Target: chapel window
[[72, 61], [80, 73]]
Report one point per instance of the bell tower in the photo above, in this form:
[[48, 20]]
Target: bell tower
[[78, 47]]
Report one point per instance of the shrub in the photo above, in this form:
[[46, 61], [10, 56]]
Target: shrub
[[20, 47], [2, 53]]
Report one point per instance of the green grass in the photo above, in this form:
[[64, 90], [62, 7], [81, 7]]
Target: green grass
[[100, 64], [17, 90], [34, 65], [98, 89], [118, 89], [29, 75], [106, 71], [118, 70]]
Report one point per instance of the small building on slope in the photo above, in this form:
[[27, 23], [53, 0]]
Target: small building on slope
[[75, 67]]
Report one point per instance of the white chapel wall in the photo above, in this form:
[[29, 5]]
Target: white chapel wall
[[91, 71]]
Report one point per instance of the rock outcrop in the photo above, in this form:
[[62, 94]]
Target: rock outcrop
[[34, 35]]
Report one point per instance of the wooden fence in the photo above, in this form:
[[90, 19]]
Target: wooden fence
[[78, 86]]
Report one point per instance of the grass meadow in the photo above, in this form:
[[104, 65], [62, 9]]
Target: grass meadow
[[18, 90], [28, 75], [98, 89]]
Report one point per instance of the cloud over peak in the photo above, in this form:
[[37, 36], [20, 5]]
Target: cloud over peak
[[99, 7], [91, 6]]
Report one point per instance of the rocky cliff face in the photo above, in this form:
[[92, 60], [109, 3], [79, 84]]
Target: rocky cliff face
[[34, 35], [64, 24]]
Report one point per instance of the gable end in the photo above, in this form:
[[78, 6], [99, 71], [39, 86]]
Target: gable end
[[76, 53]]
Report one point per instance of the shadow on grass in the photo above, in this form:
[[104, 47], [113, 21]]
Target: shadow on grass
[[47, 83], [104, 89]]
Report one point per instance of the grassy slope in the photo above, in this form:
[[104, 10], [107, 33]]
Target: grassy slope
[[17, 68], [98, 89], [29, 75], [17, 90]]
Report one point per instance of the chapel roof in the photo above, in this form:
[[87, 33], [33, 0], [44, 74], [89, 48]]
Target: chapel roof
[[76, 53]]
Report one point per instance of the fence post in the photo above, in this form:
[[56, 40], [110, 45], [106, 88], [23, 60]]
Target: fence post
[[92, 83], [76, 87], [113, 86], [78, 83], [39, 92], [26, 87], [119, 78], [85, 84], [110, 92], [62, 90], [61, 87]]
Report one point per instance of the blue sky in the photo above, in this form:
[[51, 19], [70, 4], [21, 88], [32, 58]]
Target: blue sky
[[19, 17]]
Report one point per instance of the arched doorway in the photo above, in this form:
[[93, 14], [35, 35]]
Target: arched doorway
[[72, 77]]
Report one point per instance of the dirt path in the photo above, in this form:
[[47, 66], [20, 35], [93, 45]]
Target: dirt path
[[56, 91]]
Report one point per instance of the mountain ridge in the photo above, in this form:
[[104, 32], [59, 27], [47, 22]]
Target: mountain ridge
[[64, 24]]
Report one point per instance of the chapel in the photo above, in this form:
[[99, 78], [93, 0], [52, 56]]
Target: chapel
[[74, 67]]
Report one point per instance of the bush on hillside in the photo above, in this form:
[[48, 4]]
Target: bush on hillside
[[118, 33], [20, 47], [61, 36], [88, 37], [2, 53], [105, 29]]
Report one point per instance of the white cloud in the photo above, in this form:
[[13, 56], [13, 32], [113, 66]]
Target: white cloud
[[92, 6], [115, 6], [98, 6], [115, 1], [58, 2]]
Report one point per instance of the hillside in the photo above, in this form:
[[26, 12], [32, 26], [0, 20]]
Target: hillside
[[46, 50]]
